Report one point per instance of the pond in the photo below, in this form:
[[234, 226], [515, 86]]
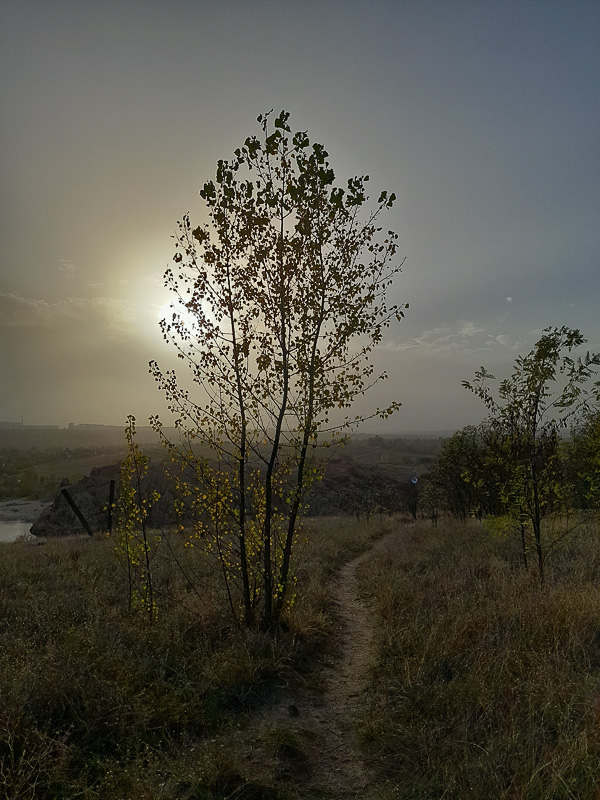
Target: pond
[[9, 531]]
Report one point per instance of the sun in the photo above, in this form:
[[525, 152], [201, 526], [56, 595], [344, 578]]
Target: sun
[[165, 311]]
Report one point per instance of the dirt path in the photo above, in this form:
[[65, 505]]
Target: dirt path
[[326, 722]]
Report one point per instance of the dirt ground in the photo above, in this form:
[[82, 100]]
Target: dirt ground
[[323, 722]]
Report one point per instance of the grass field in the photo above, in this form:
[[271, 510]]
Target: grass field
[[485, 685], [482, 683], [94, 703]]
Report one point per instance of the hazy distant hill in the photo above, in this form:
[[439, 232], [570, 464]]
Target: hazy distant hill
[[25, 437], [34, 460]]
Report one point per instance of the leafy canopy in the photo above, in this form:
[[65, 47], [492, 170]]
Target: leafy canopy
[[279, 300], [275, 288]]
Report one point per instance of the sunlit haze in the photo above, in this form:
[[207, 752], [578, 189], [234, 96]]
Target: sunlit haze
[[482, 117]]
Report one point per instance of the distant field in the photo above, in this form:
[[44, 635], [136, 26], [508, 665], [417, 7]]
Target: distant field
[[71, 438], [33, 462], [76, 467]]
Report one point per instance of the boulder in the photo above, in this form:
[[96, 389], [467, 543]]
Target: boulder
[[91, 495]]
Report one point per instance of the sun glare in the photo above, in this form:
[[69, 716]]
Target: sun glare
[[164, 311], [167, 310]]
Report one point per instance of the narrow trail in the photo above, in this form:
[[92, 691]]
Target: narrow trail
[[327, 720]]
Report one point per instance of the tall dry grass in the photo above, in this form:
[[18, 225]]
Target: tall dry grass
[[96, 703], [485, 685]]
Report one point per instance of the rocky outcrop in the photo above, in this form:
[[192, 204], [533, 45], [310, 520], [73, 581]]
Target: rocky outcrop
[[91, 496], [347, 487]]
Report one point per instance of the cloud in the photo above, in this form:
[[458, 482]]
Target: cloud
[[67, 267], [75, 353], [468, 329], [95, 313], [153, 280], [79, 325], [461, 337]]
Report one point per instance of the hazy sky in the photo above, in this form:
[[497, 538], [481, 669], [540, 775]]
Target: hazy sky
[[483, 118]]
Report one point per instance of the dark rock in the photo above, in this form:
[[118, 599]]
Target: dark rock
[[91, 497]]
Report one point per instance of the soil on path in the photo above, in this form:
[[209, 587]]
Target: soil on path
[[334, 766]]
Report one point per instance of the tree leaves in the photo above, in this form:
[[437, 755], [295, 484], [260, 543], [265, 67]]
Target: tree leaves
[[546, 389], [284, 294]]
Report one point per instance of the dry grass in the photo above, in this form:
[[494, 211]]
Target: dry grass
[[484, 684], [95, 703]]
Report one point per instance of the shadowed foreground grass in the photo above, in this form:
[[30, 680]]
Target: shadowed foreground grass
[[95, 703], [485, 685]]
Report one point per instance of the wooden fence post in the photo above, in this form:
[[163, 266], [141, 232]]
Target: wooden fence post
[[111, 502], [78, 513]]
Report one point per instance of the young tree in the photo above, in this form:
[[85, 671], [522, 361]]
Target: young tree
[[280, 299], [458, 471], [546, 389], [583, 461], [136, 545]]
